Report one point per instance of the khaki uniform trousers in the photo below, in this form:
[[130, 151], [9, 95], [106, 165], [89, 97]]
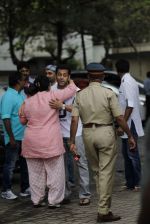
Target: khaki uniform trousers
[[100, 145]]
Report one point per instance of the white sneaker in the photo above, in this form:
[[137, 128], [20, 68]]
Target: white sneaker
[[26, 193], [8, 195]]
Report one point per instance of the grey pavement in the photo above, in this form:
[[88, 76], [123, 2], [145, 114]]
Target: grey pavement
[[124, 203]]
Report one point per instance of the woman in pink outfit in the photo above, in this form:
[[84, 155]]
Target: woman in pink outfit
[[42, 145]]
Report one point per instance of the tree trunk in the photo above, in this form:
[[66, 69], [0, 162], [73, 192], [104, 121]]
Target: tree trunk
[[12, 51], [137, 54], [107, 47], [59, 27], [83, 48]]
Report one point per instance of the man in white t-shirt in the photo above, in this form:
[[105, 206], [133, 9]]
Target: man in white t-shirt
[[129, 102], [50, 72], [65, 108]]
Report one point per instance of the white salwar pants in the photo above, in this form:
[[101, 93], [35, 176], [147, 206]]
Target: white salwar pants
[[47, 172]]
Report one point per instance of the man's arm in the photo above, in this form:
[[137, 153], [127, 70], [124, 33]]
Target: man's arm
[[8, 128], [128, 92], [7, 105], [128, 112], [22, 117], [123, 124], [73, 131], [66, 93]]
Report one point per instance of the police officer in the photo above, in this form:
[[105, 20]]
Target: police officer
[[97, 107]]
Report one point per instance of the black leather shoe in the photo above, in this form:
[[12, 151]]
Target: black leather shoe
[[39, 205], [53, 206], [108, 217], [65, 201]]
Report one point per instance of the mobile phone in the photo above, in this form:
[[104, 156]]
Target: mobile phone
[[76, 157]]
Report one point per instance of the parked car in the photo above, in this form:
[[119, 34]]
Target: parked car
[[112, 81]]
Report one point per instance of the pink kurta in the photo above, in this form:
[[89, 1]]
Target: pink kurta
[[43, 138]]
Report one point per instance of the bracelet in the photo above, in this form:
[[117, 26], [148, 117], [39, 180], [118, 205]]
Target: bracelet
[[63, 106]]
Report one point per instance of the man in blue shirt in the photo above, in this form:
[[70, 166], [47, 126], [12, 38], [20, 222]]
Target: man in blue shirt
[[13, 135]]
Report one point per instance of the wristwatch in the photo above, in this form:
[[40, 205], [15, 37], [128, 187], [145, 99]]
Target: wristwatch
[[63, 106]]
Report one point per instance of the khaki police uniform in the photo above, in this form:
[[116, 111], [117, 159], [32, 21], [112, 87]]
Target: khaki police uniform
[[97, 107]]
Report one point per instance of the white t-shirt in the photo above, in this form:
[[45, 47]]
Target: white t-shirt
[[65, 118], [54, 86], [129, 96]]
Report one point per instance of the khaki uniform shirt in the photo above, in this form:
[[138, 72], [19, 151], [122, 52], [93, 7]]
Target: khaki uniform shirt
[[96, 104]]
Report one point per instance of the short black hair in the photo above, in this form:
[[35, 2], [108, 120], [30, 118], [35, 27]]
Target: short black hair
[[66, 67], [14, 78], [30, 90], [42, 83], [148, 74], [122, 66], [22, 64]]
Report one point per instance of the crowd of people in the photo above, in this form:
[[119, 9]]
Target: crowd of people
[[49, 122]]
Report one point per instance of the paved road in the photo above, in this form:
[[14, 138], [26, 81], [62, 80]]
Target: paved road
[[125, 203]]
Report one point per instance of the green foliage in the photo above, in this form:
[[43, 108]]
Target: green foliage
[[111, 23], [17, 24], [74, 64], [132, 22]]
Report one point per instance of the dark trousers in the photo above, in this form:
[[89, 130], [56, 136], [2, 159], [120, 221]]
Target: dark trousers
[[147, 107], [11, 156], [69, 167], [131, 161]]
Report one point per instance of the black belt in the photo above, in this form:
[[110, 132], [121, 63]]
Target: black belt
[[90, 125]]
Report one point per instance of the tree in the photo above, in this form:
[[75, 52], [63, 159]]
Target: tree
[[132, 22], [95, 18], [111, 23], [81, 11], [17, 25], [56, 25]]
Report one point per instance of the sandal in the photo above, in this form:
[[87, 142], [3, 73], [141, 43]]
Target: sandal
[[39, 205], [84, 201]]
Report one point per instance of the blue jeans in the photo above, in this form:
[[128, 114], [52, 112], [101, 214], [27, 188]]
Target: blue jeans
[[131, 161], [11, 156]]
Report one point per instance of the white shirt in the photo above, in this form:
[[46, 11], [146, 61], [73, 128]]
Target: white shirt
[[54, 86], [129, 97], [65, 118]]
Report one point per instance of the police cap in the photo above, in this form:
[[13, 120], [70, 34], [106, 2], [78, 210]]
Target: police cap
[[95, 67]]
